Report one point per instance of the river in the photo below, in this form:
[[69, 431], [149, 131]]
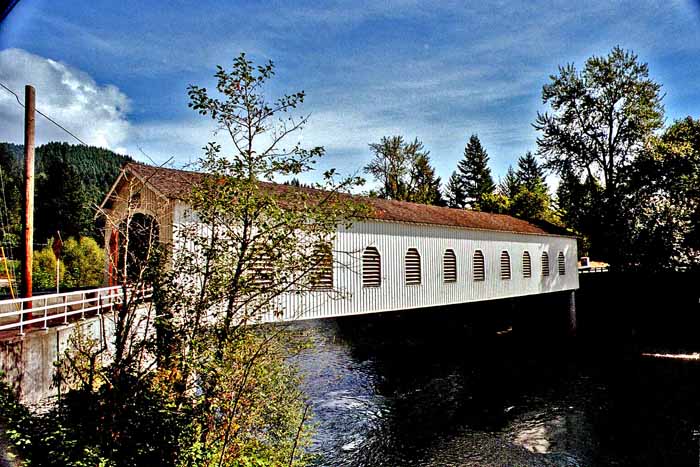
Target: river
[[437, 389]]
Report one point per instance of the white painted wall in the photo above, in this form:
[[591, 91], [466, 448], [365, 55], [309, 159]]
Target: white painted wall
[[393, 239]]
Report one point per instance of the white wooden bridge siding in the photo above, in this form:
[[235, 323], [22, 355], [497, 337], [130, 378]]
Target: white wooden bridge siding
[[393, 239]]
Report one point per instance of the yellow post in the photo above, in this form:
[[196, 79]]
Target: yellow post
[[7, 271]]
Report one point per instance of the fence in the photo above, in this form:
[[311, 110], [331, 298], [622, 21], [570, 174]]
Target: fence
[[590, 270], [19, 313]]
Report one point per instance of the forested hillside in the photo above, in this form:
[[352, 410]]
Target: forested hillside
[[70, 180]]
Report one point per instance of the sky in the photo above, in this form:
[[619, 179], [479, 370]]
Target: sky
[[116, 73]]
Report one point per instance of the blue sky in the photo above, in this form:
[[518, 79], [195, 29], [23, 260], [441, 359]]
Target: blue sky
[[116, 72]]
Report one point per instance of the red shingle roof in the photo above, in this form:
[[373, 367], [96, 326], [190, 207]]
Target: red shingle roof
[[171, 183], [176, 184]]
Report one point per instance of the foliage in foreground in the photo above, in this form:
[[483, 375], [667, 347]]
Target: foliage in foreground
[[245, 245], [209, 387], [138, 420]]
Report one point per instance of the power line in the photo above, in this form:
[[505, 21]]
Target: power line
[[66, 130], [69, 132], [43, 115]]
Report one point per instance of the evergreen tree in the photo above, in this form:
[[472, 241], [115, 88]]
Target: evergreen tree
[[530, 173], [579, 207], [531, 197], [454, 192], [68, 212], [425, 185], [70, 181], [11, 192], [475, 173], [510, 185]]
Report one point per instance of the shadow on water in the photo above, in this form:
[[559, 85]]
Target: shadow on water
[[491, 385]]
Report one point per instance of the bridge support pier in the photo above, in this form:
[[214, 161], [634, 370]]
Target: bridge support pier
[[571, 302]]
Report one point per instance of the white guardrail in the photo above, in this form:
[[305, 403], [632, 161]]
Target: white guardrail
[[19, 313], [591, 270]]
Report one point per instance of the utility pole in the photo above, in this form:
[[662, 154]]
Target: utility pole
[[28, 217]]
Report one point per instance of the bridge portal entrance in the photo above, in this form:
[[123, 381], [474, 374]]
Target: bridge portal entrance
[[131, 246]]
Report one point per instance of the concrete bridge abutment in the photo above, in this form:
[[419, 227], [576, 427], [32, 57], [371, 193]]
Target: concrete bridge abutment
[[28, 362]]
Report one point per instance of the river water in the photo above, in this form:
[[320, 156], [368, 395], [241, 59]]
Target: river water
[[436, 389]]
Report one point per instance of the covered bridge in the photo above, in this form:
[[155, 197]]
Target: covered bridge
[[408, 255]]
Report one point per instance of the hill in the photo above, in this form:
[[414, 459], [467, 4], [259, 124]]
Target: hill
[[70, 180]]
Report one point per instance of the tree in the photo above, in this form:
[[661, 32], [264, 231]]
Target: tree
[[44, 269], [84, 262], [510, 185], [530, 204], [525, 190], [71, 181], [496, 203], [11, 190], [71, 212], [601, 119], [391, 165], [404, 171], [244, 245], [665, 201], [530, 173], [578, 205], [425, 184], [531, 198], [474, 172], [454, 192], [223, 392]]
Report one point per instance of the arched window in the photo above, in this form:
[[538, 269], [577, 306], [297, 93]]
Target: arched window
[[413, 274], [545, 264], [479, 267], [527, 265], [323, 268], [449, 266], [262, 272], [505, 265], [371, 267], [561, 263]]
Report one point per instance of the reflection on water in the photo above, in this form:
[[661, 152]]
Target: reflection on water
[[406, 391]]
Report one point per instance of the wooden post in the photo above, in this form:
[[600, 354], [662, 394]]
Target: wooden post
[[57, 246], [572, 313], [112, 267], [28, 218]]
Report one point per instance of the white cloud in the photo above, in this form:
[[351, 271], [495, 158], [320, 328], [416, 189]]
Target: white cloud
[[179, 140], [94, 113]]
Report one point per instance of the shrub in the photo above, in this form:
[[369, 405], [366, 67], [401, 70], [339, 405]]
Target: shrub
[[84, 262], [44, 269], [82, 265]]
